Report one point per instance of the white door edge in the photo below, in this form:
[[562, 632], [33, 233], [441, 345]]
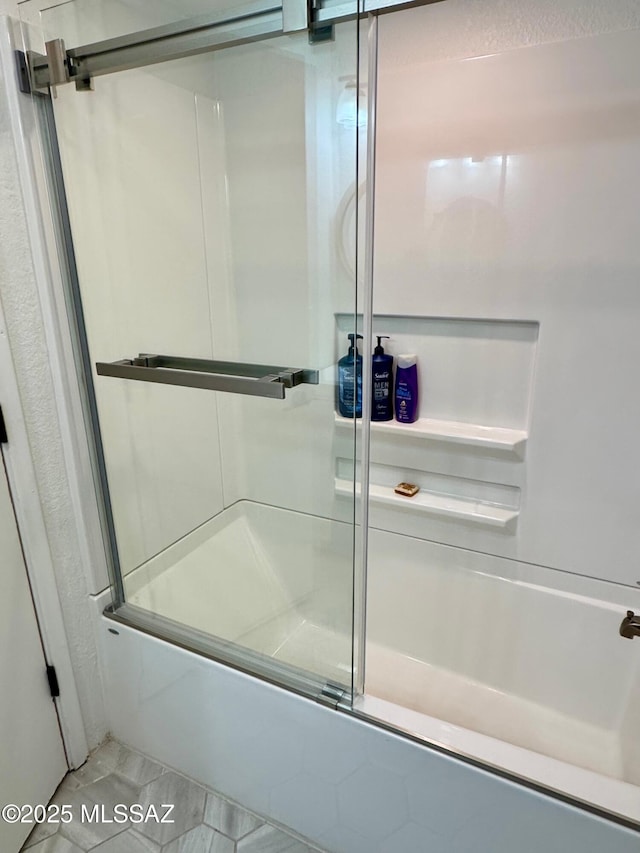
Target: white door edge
[[33, 535], [21, 473]]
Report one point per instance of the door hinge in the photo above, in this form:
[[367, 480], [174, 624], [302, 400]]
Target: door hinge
[[52, 678], [3, 429]]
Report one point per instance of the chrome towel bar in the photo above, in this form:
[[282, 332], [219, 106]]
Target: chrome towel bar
[[257, 380]]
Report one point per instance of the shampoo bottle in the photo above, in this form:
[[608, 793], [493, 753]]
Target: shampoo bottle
[[406, 389], [382, 379], [350, 381]]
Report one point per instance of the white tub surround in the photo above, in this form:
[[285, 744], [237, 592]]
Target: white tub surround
[[347, 785]]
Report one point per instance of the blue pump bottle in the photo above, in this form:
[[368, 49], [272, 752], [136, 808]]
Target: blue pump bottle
[[350, 381], [381, 379]]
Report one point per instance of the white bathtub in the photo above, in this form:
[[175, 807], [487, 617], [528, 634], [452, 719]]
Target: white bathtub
[[276, 581], [518, 666]]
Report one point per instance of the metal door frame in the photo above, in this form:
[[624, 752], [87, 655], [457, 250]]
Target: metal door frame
[[261, 20]]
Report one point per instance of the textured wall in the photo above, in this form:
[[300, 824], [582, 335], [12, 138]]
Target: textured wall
[[22, 310], [457, 28]]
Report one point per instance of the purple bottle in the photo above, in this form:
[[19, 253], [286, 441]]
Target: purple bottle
[[406, 389]]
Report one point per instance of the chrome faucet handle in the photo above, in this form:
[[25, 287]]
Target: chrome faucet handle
[[630, 626]]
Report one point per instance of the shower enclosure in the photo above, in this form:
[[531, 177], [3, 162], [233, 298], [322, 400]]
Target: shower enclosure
[[237, 190]]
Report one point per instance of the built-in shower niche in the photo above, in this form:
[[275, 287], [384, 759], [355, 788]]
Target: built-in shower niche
[[466, 451], [475, 375], [456, 498]]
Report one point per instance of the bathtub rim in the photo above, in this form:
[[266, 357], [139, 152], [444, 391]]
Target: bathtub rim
[[240, 658], [364, 709]]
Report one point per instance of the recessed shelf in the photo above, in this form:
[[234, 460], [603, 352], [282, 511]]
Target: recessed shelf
[[432, 504], [454, 432]]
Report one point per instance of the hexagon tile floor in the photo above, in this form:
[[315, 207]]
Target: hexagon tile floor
[[204, 822]]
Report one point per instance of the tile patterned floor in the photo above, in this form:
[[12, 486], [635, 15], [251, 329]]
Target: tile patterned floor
[[205, 822]]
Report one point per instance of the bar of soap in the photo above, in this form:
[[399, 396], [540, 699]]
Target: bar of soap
[[407, 489]]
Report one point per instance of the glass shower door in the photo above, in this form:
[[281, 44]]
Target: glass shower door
[[206, 203]]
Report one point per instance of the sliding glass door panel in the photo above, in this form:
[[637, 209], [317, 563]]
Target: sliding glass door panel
[[216, 270]]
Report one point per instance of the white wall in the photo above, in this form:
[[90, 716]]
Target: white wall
[[132, 168], [539, 229], [287, 282], [456, 29]]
